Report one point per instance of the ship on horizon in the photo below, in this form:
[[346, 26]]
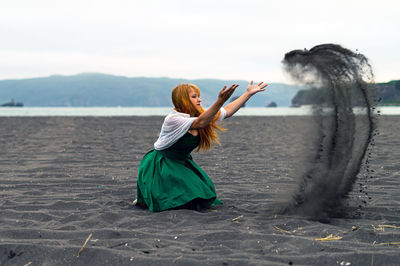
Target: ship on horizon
[[12, 103]]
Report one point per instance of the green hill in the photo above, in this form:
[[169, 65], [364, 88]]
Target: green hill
[[94, 89], [389, 94]]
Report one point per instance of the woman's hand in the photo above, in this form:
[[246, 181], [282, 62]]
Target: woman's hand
[[225, 93], [206, 117], [232, 107], [253, 89]]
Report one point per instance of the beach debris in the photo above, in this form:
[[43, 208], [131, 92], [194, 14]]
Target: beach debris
[[176, 259], [381, 227], [29, 263], [389, 226], [389, 243], [355, 228], [118, 245], [84, 244], [282, 230], [377, 228], [298, 229], [345, 263], [329, 238], [11, 254], [236, 220]]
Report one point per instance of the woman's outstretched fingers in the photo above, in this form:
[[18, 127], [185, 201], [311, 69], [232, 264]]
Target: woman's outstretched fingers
[[233, 87], [264, 85], [254, 88], [225, 93], [261, 85], [231, 91]]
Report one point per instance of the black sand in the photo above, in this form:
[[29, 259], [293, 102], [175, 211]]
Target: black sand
[[64, 178]]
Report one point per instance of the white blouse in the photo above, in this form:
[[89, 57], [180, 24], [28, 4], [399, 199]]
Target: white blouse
[[175, 126]]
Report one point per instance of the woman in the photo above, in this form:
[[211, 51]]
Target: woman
[[168, 177]]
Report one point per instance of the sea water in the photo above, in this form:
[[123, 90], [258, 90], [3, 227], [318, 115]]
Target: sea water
[[161, 111]]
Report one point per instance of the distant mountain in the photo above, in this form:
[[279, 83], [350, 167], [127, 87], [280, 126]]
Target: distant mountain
[[388, 94], [94, 89]]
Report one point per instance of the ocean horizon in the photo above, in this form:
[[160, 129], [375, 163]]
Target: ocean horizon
[[162, 111]]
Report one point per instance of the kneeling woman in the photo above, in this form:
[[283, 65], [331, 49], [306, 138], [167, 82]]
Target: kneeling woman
[[168, 177]]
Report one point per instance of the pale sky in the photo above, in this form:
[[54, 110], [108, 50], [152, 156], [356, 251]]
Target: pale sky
[[235, 39]]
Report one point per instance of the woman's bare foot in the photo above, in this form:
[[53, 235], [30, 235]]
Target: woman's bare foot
[[136, 203]]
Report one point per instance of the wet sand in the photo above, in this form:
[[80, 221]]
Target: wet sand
[[62, 179]]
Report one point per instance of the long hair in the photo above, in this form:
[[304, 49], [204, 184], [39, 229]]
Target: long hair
[[182, 103]]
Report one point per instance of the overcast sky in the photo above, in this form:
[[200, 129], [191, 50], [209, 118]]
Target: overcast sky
[[235, 39]]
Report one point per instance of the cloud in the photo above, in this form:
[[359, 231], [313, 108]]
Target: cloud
[[191, 39]]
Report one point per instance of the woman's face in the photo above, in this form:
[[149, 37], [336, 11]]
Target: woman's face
[[195, 98]]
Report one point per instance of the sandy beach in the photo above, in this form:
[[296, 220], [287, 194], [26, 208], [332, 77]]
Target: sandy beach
[[65, 178]]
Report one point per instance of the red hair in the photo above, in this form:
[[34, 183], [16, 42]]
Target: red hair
[[182, 103]]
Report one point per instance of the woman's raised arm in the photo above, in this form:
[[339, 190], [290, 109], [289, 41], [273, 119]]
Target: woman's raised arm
[[205, 118], [232, 107]]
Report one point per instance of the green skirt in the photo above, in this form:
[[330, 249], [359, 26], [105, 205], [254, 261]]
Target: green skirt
[[169, 179]]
